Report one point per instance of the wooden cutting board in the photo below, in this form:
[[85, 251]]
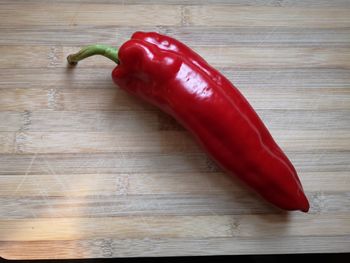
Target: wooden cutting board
[[88, 171]]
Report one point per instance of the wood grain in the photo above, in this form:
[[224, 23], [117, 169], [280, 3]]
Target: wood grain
[[7, 140], [182, 227], [232, 36], [301, 3], [152, 183], [173, 247], [86, 170], [271, 16], [75, 14]]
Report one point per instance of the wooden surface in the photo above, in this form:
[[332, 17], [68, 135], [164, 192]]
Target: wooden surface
[[88, 171]]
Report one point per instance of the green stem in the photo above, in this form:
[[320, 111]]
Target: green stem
[[106, 51]]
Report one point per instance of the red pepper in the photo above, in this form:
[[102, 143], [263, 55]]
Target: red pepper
[[171, 76]]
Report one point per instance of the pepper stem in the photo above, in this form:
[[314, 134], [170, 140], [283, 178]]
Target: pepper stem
[[106, 51]]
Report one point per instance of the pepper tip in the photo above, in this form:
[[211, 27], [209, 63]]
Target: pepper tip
[[305, 209], [305, 206]]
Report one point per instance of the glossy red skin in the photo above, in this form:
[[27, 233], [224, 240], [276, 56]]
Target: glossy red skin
[[171, 76]]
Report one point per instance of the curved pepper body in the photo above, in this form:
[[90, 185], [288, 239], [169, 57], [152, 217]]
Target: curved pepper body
[[168, 74]]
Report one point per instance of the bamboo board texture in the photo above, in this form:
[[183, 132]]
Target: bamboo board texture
[[88, 171]]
